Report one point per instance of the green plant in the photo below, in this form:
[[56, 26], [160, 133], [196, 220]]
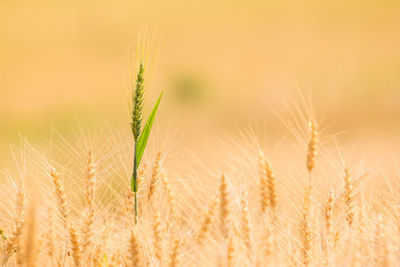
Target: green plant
[[140, 137]]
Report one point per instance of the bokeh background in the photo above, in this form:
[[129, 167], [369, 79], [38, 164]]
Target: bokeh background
[[222, 64]]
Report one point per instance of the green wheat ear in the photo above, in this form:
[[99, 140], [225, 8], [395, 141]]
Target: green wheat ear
[[140, 137], [137, 99]]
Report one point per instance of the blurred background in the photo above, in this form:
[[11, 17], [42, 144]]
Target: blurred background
[[222, 64]]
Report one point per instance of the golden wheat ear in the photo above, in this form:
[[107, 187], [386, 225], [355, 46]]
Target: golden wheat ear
[[348, 197], [90, 198], [264, 195], [225, 212], [207, 220], [312, 146], [174, 257], [246, 227], [134, 251], [13, 243]]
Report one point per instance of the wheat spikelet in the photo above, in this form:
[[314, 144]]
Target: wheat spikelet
[[246, 227], [76, 249], [312, 146], [60, 195], [328, 212], [271, 187], [175, 253], [155, 176], [157, 236], [207, 220], [137, 100], [348, 198], [231, 251], [128, 204], [224, 207], [336, 239], [267, 243], [305, 230], [264, 196], [62, 206], [90, 198], [134, 251], [141, 173], [14, 242]]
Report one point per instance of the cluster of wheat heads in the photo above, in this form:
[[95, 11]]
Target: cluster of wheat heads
[[244, 211], [243, 207]]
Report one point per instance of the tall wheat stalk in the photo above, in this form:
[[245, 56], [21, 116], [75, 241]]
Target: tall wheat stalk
[[140, 136], [90, 198], [138, 98]]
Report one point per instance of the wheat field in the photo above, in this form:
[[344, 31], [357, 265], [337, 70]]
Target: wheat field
[[274, 143], [309, 203]]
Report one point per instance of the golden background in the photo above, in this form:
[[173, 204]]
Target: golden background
[[221, 64]]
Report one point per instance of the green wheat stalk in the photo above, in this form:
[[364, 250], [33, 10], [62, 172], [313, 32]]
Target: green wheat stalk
[[140, 137]]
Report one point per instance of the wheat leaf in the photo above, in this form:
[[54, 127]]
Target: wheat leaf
[[144, 136]]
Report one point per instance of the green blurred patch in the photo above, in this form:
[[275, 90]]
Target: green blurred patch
[[190, 89]]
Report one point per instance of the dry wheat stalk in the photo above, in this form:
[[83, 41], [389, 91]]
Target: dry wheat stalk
[[141, 173], [174, 261], [90, 198], [312, 146], [246, 227], [128, 204], [207, 220], [155, 176], [60, 195], [348, 198], [271, 188], [305, 230], [14, 242], [224, 208], [328, 213], [157, 236], [267, 243], [231, 251], [76, 249], [264, 196], [134, 251]]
